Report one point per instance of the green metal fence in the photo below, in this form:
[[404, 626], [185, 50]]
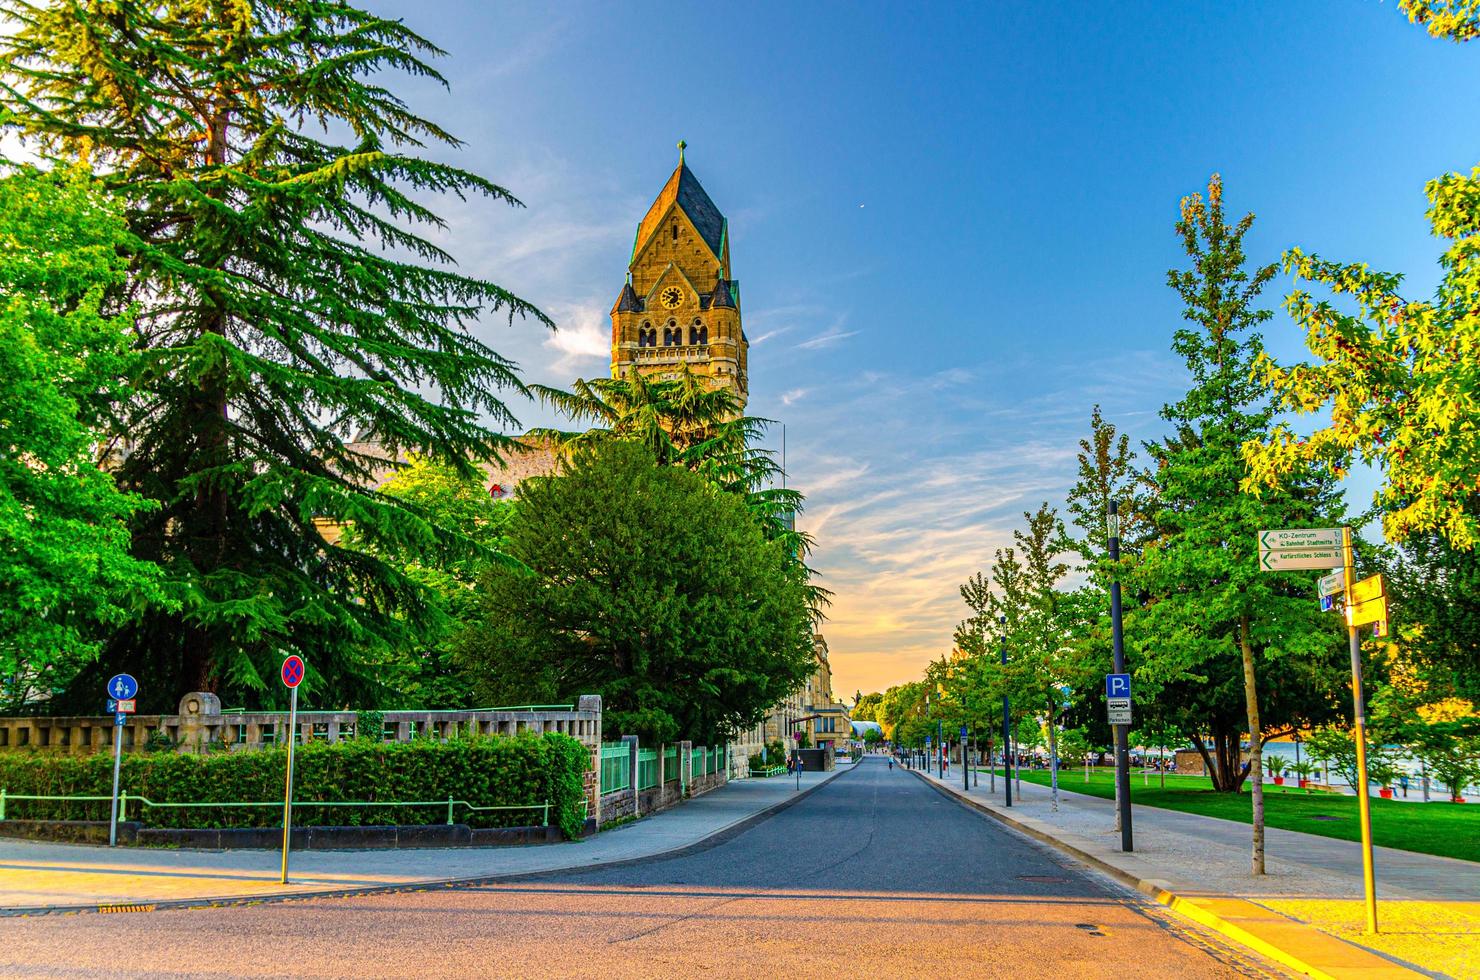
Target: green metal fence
[[671, 770], [647, 768], [143, 803], [616, 766]]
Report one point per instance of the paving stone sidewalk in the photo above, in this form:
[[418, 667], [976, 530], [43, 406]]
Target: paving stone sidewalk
[[1428, 907], [42, 876]]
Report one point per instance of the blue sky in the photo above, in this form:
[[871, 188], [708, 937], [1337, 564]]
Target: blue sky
[[952, 224]]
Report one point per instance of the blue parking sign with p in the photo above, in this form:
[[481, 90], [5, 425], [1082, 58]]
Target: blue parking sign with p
[[1117, 685]]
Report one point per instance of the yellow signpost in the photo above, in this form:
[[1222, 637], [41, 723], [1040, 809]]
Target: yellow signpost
[[1359, 724], [1365, 602]]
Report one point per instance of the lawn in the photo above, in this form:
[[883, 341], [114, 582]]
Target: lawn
[[1445, 829]]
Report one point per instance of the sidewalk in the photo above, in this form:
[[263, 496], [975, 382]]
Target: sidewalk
[[37, 877], [1307, 911]]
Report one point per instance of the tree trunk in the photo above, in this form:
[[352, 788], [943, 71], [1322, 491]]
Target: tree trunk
[[1053, 758], [1256, 747]]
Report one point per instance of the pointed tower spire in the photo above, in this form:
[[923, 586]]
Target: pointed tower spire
[[681, 147]]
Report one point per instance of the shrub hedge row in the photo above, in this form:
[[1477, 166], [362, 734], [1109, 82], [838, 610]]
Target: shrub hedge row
[[483, 770]]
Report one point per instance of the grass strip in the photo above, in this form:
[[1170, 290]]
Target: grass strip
[[1444, 829]]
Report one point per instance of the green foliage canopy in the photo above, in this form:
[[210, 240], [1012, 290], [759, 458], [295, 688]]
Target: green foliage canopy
[[288, 301], [65, 568], [649, 586]]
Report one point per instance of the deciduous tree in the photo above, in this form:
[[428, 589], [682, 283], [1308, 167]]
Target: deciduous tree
[[645, 584], [65, 569]]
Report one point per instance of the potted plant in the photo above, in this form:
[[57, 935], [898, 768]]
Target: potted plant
[[1276, 769], [1382, 771], [1304, 770]]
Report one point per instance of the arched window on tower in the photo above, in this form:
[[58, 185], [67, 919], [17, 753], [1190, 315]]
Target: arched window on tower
[[672, 334], [646, 335]]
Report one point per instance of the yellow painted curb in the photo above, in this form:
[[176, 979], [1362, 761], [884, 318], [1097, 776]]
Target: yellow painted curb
[[1301, 947]]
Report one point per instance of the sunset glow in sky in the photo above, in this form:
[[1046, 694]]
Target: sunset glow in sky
[[952, 225]]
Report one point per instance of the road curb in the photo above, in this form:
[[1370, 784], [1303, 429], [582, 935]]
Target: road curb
[[713, 839], [1293, 944]]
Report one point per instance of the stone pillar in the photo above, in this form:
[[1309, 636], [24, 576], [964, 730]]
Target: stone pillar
[[631, 741], [197, 709], [685, 767], [592, 702]]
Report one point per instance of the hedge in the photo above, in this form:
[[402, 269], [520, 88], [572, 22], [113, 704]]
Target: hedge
[[483, 770]]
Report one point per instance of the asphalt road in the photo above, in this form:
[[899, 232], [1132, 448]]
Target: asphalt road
[[873, 875]]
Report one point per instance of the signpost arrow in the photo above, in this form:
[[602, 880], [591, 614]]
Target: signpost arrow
[[1292, 538], [1303, 559]]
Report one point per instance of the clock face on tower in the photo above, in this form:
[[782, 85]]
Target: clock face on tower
[[671, 297]]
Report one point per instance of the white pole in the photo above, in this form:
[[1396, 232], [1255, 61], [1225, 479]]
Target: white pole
[[117, 761], [288, 790]]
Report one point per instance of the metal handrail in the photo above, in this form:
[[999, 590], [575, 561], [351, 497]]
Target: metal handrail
[[772, 771], [124, 799]]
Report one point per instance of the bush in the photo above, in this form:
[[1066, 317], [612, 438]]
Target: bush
[[484, 771]]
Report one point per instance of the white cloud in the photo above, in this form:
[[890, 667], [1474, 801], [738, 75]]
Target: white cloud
[[583, 335], [827, 338], [793, 396]]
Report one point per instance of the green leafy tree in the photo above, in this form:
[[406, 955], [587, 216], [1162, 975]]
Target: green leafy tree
[[1451, 751], [445, 496], [683, 421], [65, 567], [288, 297], [900, 704], [1434, 590], [1210, 617], [1041, 674], [645, 585], [1397, 377], [866, 707]]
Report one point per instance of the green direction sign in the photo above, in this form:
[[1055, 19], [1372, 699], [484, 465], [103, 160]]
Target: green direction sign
[[1333, 584], [1295, 548], [1300, 538], [1290, 561]]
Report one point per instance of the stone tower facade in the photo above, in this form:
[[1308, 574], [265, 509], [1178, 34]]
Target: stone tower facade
[[680, 305]]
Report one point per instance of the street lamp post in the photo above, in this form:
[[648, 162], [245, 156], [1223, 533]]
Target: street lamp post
[[1006, 720]]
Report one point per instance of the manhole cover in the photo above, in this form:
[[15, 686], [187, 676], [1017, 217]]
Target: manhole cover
[[1043, 879], [1322, 816]]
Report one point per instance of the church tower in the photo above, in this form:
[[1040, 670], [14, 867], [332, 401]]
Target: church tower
[[680, 305]]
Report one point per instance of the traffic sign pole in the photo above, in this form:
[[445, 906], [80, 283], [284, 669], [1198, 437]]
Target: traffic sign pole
[[121, 689], [1359, 725], [1122, 732], [117, 764], [288, 790]]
